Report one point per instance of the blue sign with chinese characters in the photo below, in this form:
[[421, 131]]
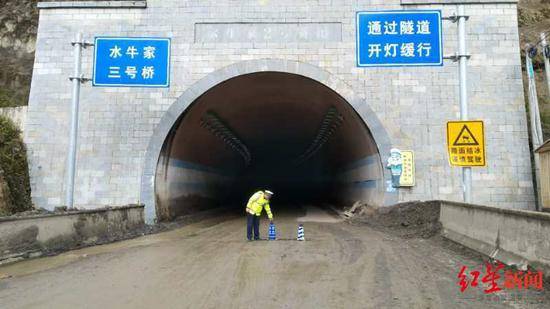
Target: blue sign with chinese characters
[[399, 38], [131, 62]]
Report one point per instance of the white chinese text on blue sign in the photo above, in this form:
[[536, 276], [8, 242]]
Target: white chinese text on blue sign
[[399, 38], [131, 62]]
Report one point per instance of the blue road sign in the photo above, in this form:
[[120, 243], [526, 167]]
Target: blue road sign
[[131, 62], [399, 38]]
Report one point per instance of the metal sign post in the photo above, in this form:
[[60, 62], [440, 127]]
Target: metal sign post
[[462, 57], [534, 115], [534, 112], [546, 56], [463, 84], [76, 79]]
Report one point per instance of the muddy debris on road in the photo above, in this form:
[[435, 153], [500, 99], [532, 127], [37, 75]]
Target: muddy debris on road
[[409, 220]]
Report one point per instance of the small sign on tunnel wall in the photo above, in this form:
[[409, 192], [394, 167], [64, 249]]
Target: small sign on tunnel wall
[[131, 62], [407, 177], [399, 38], [401, 165]]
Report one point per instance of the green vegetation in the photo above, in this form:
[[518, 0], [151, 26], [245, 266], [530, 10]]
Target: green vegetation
[[545, 119], [9, 98], [14, 168]]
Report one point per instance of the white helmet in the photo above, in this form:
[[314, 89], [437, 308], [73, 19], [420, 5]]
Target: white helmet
[[268, 192]]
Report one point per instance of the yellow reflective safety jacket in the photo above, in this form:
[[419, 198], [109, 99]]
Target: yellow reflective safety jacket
[[257, 203]]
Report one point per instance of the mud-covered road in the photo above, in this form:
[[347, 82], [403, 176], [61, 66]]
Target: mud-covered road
[[210, 265]]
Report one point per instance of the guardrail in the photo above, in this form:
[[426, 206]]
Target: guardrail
[[515, 237]]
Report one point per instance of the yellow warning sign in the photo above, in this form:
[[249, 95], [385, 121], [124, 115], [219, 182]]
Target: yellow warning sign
[[466, 143], [407, 175]]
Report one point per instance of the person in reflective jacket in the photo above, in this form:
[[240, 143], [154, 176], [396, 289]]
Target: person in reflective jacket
[[257, 202]]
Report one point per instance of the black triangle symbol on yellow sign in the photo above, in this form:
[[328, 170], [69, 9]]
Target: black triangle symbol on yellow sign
[[465, 138]]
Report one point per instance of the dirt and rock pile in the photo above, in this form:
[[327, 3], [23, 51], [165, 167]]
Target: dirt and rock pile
[[409, 220]]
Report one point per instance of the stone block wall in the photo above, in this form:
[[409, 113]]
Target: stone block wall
[[410, 105]]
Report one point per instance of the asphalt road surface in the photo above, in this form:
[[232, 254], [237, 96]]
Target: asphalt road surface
[[211, 265]]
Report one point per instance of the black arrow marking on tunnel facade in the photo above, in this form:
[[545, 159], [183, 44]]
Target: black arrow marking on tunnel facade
[[467, 141]]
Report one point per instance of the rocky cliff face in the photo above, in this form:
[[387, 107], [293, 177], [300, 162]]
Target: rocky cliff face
[[18, 23]]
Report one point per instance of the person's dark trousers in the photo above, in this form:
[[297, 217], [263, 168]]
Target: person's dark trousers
[[252, 222]]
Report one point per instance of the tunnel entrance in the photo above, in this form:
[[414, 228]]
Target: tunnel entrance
[[267, 130]]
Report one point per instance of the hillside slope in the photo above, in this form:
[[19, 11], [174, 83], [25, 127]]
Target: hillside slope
[[18, 23]]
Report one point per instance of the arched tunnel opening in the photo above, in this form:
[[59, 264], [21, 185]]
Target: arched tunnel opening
[[268, 130]]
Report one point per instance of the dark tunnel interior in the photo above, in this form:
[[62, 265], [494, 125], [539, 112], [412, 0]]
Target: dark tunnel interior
[[268, 130]]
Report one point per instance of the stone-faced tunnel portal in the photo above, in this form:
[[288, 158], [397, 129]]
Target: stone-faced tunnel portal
[[273, 130], [230, 124]]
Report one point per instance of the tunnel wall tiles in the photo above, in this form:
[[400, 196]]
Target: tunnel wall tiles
[[187, 188], [412, 104], [361, 181]]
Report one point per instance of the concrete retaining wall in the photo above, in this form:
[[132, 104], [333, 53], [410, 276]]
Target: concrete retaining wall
[[36, 235], [515, 237]]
